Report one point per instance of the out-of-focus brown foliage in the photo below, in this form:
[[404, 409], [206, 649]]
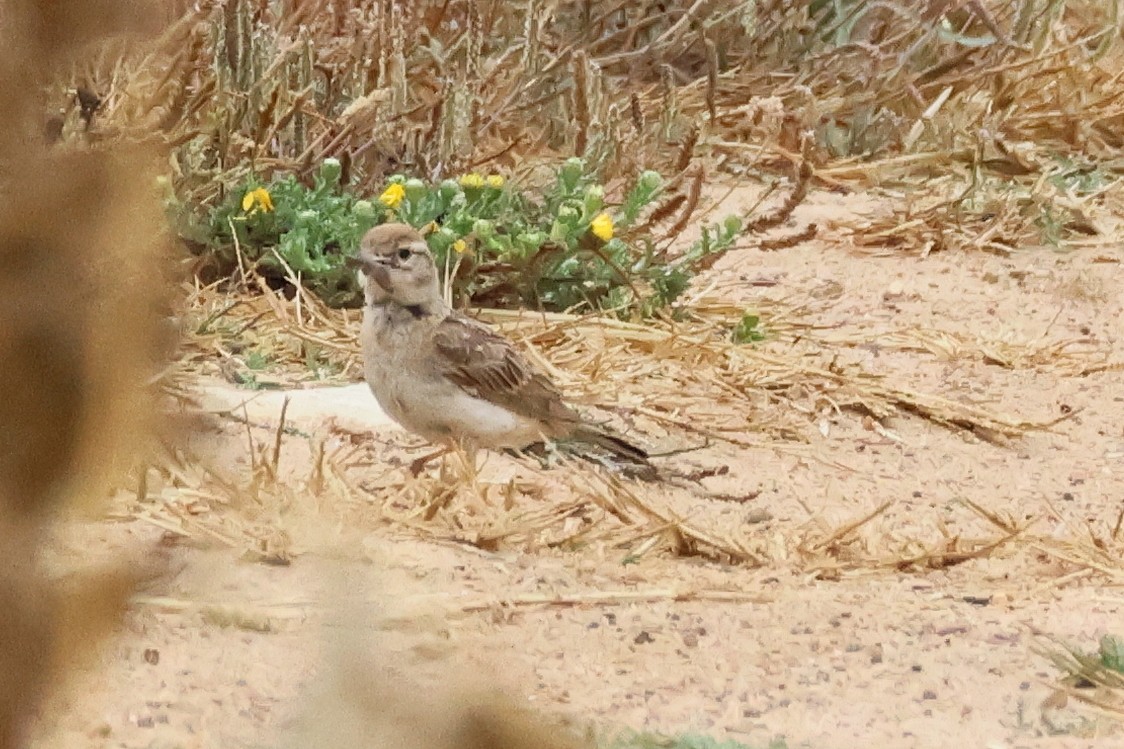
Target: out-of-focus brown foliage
[[369, 694], [80, 336]]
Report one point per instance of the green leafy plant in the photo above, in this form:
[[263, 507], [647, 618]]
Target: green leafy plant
[[256, 360], [1111, 653], [495, 244], [1103, 667], [1079, 176], [287, 229]]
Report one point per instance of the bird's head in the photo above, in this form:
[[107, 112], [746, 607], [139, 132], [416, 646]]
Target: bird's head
[[396, 266]]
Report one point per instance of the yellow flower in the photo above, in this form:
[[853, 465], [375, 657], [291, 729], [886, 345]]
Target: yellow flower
[[472, 180], [602, 227], [257, 199], [494, 180], [392, 195], [460, 247], [429, 228]]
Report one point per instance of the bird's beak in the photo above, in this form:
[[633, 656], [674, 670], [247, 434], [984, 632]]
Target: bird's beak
[[360, 263], [373, 269]]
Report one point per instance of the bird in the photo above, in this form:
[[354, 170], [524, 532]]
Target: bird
[[449, 378]]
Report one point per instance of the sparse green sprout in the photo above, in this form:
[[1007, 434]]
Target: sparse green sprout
[[330, 171], [570, 175], [448, 189], [748, 329], [416, 190], [649, 182], [646, 189], [483, 229], [256, 360], [1112, 653], [714, 239], [594, 201], [441, 241], [565, 224], [364, 210], [528, 242]]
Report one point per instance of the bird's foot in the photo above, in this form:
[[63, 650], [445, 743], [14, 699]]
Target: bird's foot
[[544, 453], [612, 461], [418, 465]]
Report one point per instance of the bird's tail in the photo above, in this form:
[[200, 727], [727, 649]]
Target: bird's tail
[[616, 445], [634, 459]]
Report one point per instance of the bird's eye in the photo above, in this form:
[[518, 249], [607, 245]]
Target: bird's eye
[[404, 253]]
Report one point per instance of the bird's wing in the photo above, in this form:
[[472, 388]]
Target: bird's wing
[[487, 366]]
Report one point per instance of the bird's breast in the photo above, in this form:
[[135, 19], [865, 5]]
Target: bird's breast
[[398, 360]]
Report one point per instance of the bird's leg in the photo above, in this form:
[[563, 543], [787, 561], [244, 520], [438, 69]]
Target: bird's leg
[[542, 452], [466, 450], [418, 465], [552, 454]]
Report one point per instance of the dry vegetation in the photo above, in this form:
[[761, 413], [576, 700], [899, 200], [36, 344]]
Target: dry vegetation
[[1010, 111], [990, 126]]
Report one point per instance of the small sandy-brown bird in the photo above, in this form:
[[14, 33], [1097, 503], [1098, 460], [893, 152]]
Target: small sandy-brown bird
[[448, 378]]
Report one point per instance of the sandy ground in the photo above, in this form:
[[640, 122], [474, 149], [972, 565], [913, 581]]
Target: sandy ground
[[885, 658]]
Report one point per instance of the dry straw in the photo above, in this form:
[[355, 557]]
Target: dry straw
[[685, 384]]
